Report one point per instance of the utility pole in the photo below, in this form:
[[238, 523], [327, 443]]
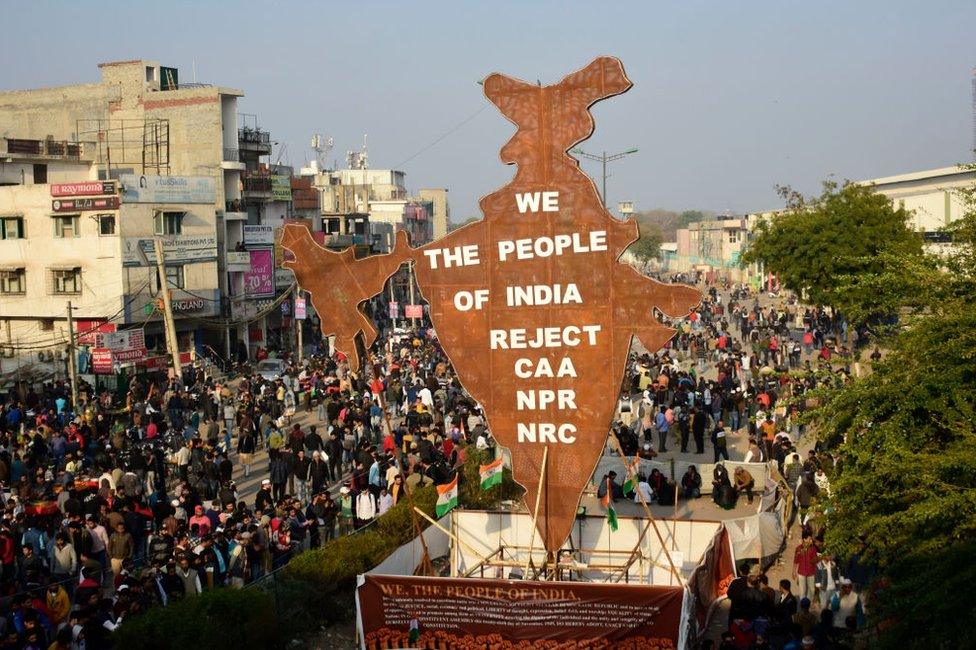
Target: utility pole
[[413, 321], [169, 328], [72, 361], [298, 324], [603, 159]]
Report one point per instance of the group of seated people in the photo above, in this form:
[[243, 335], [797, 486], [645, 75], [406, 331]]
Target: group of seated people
[[656, 488]]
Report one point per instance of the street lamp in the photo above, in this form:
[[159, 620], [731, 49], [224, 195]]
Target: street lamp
[[604, 158]]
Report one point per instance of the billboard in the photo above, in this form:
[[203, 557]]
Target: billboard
[[502, 614], [177, 249], [258, 235], [259, 280], [238, 261], [531, 304], [281, 187], [148, 188]]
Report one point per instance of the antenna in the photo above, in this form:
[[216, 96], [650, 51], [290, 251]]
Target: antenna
[[321, 146]]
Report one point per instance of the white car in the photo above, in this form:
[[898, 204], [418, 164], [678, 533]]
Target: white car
[[270, 369]]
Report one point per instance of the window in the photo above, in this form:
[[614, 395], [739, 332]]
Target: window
[[733, 236], [106, 224], [13, 281], [11, 227], [168, 223], [40, 174], [174, 276], [66, 226], [67, 281], [150, 73]]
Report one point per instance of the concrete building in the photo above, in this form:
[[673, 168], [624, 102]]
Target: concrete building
[[441, 214], [142, 121], [712, 247], [931, 195]]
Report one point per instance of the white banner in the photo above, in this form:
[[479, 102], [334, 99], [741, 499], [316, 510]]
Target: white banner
[[178, 249], [258, 235]]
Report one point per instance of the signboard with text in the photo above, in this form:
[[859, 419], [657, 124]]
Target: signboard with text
[[88, 330], [281, 187], [259, 280], [300, 310], [89, 188], [178, 249], [531, 304], [504, 614], [238, 261], [258, 235], [148, 188], [85, 204]]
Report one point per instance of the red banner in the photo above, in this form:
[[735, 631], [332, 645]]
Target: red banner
[[467, 613], [713, 575], [413, 311], [89, 329], [102, 361], [77, 205]]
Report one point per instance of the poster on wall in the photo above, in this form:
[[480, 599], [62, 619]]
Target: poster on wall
[[500, 614], [259, 281]]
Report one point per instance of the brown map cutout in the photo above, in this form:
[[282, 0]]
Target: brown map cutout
[[616, 302]]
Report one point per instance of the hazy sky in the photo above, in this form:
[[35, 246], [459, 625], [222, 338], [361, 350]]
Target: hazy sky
[[729, 98]]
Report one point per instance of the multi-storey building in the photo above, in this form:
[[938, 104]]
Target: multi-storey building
[[152, 134]]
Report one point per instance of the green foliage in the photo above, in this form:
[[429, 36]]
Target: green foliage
[[234, 619], [815, 244], [906, 483], [470, 493], [648, 245], [343, 558]]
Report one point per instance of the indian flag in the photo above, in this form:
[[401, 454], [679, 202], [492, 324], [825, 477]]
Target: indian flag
[[447, 497], [491, 474], [608, 504], [629, 486]]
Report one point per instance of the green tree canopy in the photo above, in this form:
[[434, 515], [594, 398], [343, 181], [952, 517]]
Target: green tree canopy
[[904, 491], [815, 242], [648, 245]]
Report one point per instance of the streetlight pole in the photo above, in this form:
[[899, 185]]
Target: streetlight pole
[[603, 159]]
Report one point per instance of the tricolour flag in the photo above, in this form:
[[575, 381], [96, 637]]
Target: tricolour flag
[[491, 474], [628, 487], [447, 497], [608, 504]]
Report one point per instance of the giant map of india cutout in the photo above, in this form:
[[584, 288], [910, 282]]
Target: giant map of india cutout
[[530, 304]]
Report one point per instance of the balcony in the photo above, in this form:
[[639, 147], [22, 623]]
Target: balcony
[[254, 140], [232, 159], [29, 149], [257, 187]]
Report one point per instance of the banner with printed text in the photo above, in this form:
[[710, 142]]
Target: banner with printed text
[[469, 613]]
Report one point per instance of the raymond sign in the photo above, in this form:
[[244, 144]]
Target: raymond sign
[[91, 188], [531, 304], [501, 614]]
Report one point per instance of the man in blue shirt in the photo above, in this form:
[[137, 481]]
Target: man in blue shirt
[[663, 426]]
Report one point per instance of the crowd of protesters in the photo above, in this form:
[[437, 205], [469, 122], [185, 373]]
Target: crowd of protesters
[[117, 506]]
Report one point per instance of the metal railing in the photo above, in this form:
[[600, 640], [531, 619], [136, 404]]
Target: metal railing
[[43, 147], [258, 136]]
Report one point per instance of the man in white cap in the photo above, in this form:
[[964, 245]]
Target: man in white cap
[[847, 603], [263, 500]]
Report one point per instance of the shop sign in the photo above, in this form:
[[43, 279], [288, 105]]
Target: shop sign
[[88, 330], [258, 235], [413, 311], [188, 305], [300, 309], [281, 187], [102, 361], [238, 261], [168, 189], [90, 188], [85, 204], [177, 249], [394, 310]]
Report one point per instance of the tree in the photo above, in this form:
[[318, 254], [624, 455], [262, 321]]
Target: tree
[[648, 245], [815, 243], [904, 491]]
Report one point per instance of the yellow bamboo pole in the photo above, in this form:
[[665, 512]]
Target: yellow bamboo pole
[[535, 513]]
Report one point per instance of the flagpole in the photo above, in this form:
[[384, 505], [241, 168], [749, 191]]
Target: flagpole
[[647, 511], [535, 513]]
